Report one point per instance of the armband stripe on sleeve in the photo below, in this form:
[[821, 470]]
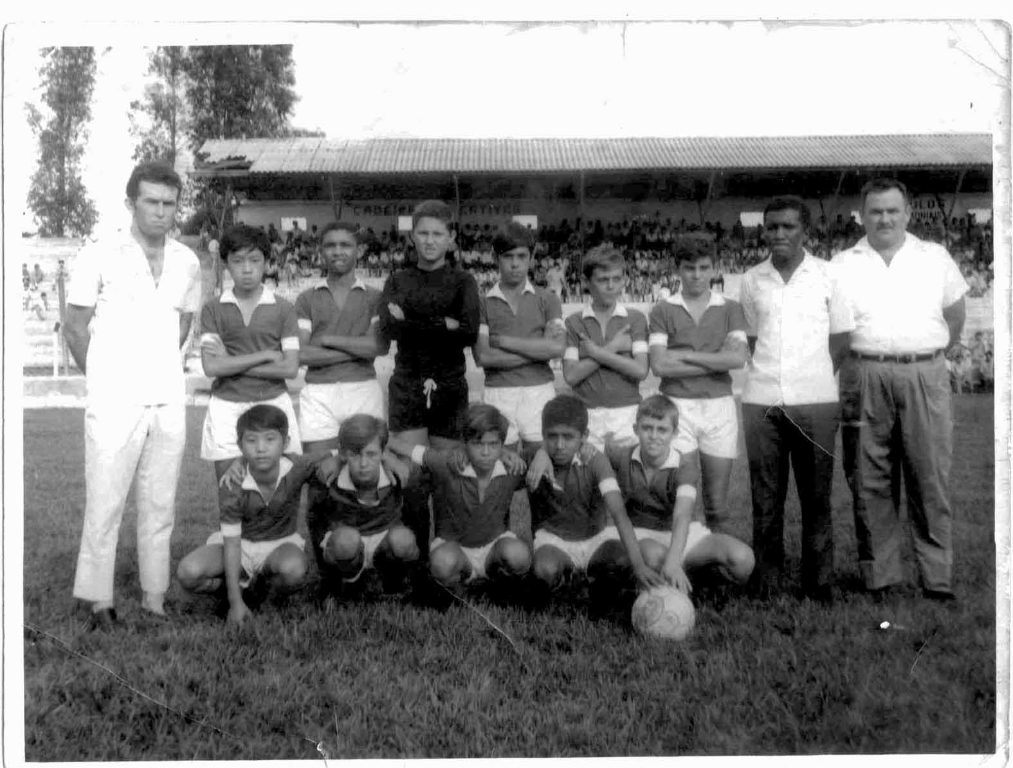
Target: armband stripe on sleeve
[[206, 337], [418, 454], [639, 348], [571, 353], [686, 492], [607, 485], [290, 344], [305, 324], [737, 336], [658, 339], [483, 330], [230, 530]]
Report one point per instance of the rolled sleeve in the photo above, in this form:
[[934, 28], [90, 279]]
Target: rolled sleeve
[[954, 284], [85, 278], [190, 301], [842, 318]]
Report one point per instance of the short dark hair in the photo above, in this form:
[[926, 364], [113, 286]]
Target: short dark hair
[[341, 226], [154, 172], [658, 407], [789, 203], [512, 235], [261, 418], [692, 248], [243, 236], [432, 209], [481, 418], [602, 257], [565, 410], [359, 430], [883, 184]]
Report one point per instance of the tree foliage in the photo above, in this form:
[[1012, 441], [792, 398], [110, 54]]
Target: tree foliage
[[214, 92], [57, 194], [158, 118]]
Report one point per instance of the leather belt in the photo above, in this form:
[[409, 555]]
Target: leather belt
[[914, 358]]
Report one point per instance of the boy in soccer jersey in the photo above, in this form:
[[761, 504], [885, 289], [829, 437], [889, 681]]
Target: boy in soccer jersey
[[696, 337], [249, 345], [572, 498], [338, 342], [258, 539], [431, 309], [606, 350], [659, 486], [355, 521], [472, 504], [521, 329]]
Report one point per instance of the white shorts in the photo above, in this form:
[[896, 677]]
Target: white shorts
[[253, 554], [477, 556], [708, 424], [370, 543], [697, 533], [619, 421], [580, 551], [220, 441], [523, 408], [322, 407]]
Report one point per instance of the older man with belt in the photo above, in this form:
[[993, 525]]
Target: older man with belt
[[908, 302]]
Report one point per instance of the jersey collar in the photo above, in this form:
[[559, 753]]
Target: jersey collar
[[266, 297], [497, 293], [671, 461], [344, 481], [284, 467], [498, 470], [715, 300], [618, 311]]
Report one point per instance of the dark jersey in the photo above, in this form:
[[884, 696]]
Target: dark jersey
[[426, 348]]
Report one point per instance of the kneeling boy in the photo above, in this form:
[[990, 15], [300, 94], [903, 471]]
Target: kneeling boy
[[571, 500], [258, 539], [471, 505], [355, 522], [659, 486]]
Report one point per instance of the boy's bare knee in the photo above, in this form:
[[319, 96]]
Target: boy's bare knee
[[515, 556], [291, 569], [445, 564], [741, 562], [653, 554], [343, 545], [402, 544], [189, 574], [548, 570]]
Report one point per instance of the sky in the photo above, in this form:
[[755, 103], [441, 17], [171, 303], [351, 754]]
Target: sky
[[597, 79]]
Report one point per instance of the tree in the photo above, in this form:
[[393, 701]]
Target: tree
[[57, 195], [158, 118], [236, 91]]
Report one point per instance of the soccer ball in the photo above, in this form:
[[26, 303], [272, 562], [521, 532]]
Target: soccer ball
[[664, 612]]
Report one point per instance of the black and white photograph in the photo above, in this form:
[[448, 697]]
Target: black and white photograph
[[401, 388]]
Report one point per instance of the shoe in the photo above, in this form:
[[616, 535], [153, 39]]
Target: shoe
[[103, 619], [939, 595]]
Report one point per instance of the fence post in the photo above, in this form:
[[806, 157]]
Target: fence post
[[61, 290]]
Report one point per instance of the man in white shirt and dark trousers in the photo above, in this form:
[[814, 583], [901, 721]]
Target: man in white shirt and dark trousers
[[908, 300], [799, 324]]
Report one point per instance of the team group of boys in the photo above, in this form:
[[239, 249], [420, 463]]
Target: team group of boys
[[611, 477]]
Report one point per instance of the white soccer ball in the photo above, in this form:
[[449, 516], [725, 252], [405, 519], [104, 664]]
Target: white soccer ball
[[664, 612]]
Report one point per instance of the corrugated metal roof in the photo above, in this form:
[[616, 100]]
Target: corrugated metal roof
[[383, 156]]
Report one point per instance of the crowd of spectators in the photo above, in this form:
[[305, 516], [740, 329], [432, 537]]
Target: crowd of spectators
[[647, 242]]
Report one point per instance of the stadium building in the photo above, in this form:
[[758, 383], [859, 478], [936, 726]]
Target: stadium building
[[377, 182]]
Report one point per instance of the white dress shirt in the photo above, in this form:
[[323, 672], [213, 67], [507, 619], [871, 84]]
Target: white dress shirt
[[792, 322], [899, 308], [133, 355]]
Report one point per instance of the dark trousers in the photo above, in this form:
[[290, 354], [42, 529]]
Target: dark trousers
[[803, 435]]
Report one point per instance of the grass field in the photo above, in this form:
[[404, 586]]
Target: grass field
[[392, 680]]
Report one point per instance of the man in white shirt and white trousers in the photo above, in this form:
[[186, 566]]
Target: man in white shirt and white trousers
[[129, 307], [908, 300]]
